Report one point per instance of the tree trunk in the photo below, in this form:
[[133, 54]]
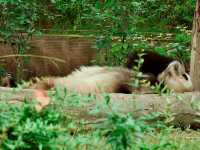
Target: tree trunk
[[195, 57], [184, 108]]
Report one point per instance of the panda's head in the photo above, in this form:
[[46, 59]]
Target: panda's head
[[175, 78]]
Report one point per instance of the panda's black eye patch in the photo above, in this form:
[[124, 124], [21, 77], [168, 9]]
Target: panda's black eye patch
[[185, 76], [169, 74], [176, 67]]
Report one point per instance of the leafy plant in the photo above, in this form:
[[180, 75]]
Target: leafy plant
[[138, 76], [17, 25], [160, 89], [67, 14], [115, 21], [22, 127]]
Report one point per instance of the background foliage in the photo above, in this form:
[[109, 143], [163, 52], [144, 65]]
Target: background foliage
[[119, 27]]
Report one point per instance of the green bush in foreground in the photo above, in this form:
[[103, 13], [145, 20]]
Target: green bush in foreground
[[23, 128]]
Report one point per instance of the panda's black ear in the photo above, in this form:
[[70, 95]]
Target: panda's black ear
[[177, 69]]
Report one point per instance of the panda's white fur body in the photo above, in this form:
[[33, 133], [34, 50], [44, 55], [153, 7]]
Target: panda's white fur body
[[93, 79], [98, 79]]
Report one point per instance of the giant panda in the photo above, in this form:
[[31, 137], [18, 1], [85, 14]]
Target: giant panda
[[96, 79]]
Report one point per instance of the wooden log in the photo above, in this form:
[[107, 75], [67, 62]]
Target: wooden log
[[184, 108]]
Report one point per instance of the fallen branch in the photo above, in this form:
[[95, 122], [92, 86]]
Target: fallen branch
[[34, 56]]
